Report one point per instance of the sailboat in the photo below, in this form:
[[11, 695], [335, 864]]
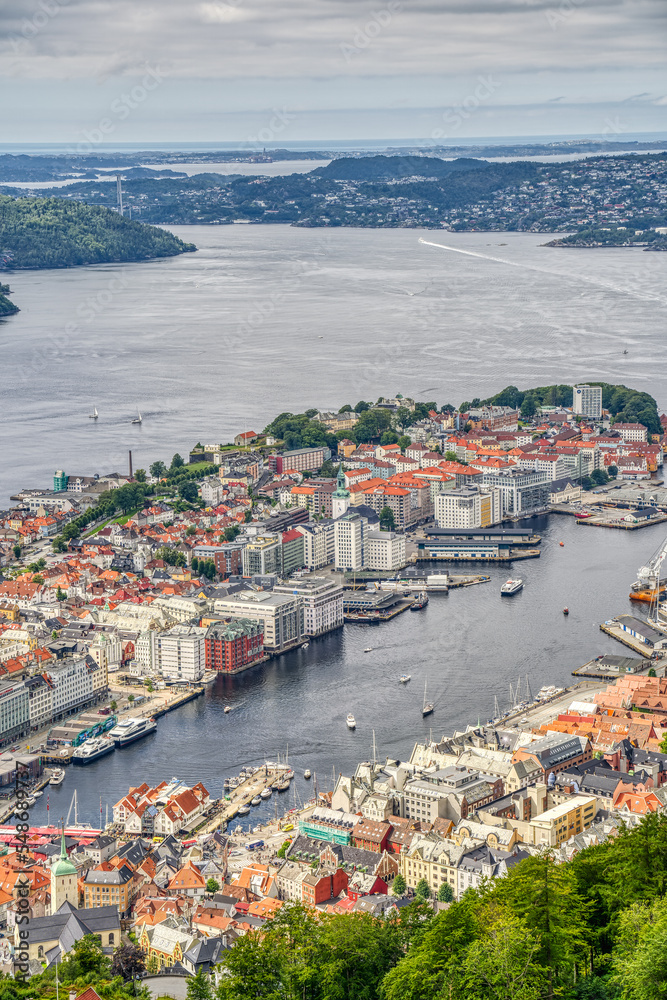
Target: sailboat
[[428, 706], [94, 415], [137, 419]]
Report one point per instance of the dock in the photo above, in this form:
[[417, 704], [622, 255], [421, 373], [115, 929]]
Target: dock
[[266, 777], [610, 668], [376, 617], [616, 632]]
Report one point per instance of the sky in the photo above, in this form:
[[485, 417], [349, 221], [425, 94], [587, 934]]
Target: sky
[[91, 73]]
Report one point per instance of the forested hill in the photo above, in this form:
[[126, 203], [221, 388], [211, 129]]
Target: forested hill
[[7, 307], [386, 168], [54, 232]]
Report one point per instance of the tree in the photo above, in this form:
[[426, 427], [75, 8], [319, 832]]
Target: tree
[[361, 407], [403, 442], [140, 475], [113, 706], [503, 963], [128, 961], [346, 408], [199, 987], [282, 850], [17, 551], [191, 530], [599, 476], [399, 886], [612, 471], [188, 491], [651, 672], [663, 744], [231, 532], [212, 886], [130, 698], [61, 595], [387, 519], [247, 517], [84, 959], [528, 407], [389, 437], [176, 462], [158, 470], [450, 456], [423, 889], [445, 893], [39, 580]]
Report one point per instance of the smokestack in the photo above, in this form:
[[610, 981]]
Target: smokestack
[[119, 194], [130, 454]]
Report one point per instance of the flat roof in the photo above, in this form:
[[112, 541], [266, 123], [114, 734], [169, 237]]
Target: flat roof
[[480, 532]]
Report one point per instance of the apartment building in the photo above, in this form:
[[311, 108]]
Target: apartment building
[[587, 401], [299, 460], [322, 602], [179, 654], [522, 490], [385, 550], [469, 507], [14, 711], [281, 615], [262, 556], [631, 432], [349, 537], [318, 543], [233, 644], [553, 827]]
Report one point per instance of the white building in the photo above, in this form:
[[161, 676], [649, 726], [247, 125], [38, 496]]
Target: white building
[[384, 550], [281, 615], [179, 653], [322, 601], [73, 688], [40, 696], [587, 401], [14, 710], [554, 466], [631, 432], [349, 537], [468, 507], [318, 543], [212, 491], [522, 490], [181, 609]]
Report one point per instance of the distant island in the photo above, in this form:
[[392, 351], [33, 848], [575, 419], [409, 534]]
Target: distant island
[[618, 236], [55, 232], [621, 193], [7, 307]]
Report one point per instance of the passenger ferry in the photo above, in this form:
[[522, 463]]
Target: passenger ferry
[[92, 750], [511, 587], [130, 730]]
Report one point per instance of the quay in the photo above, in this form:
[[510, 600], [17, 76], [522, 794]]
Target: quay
[[613, 629], [610, 668], [374, 617], [477, 545], [266, 777]]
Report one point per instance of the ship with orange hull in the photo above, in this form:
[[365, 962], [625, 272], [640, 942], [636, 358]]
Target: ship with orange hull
[[647, 594]]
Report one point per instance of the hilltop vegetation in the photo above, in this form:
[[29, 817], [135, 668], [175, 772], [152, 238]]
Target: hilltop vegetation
[[385, 168], [53, 232], [594, 928], [625, 405], [7, 308]]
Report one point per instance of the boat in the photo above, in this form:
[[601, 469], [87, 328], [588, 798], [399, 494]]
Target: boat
[[561, 544], [305, 645], [94, 415], [93, 749], [227, 709], [351, 721], [566, 611], [281, 786], [226, 784], [138, 419], [419, 602], [243, 810], [255, 800], [30, 801], [369, 649], [625, 352], [265, 793], [57, 777], [233, 782], [130, 730], [307, 773], [427, 706], [404, 678], [511, 587], [37, 793]]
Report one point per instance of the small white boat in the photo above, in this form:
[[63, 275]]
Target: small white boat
[[305, 645], [30, 801], [351, 721], [255, 801], [138, 419], [369, 649], [37, 793], [265, 793], [57, 777], [404, 678], [227, 709], [243, 810], [94, 415], [307, 773]]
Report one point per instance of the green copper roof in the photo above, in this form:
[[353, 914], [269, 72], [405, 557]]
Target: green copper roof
[[64, 866]]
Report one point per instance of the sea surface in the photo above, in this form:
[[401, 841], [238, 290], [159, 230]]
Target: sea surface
[[263, 319], [468, 647]]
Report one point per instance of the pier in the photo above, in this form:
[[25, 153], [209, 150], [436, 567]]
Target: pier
[[263, 778]]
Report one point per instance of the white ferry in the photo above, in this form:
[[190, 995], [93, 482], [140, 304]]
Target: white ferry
[[511, 587], [129, 730], [351, 721], [92, 750]]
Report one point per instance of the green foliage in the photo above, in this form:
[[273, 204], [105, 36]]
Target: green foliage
[[7, 308], [177, 462], [231, 532], [399, 885], [172, 557], [361, 406], [445, 893], [450, 456], [158, 470], [423, 889], [403, 442], [389, 437], [199, 987], [282, 850], [54, 232], [612, 471], [128, 961], [299, 430], [370, 426], [599, 477], [17, 551], [212, 886], [140, 475], [387, 519]]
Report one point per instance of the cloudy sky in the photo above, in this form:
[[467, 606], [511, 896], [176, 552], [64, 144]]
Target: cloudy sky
[[281, 71]]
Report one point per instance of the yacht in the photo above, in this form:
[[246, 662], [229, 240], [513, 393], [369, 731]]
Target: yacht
[[227, 709], [351, 721], [129, 730], [511, 587], [281, 786], [307, 773], [419, 602], [94, 415], [255, 801], [57, 777], [93, 749], [404, 678], [243, 810], [427, 706], [369, 649], [137, 419], [265, 793]]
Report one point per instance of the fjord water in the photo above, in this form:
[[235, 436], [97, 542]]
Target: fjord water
[[469, 646], [264, 319]]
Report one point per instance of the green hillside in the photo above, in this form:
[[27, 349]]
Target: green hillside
[[7, 307], [53, 232]]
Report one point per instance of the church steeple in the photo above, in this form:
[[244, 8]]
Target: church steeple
[[342, 490], [340, 498]]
